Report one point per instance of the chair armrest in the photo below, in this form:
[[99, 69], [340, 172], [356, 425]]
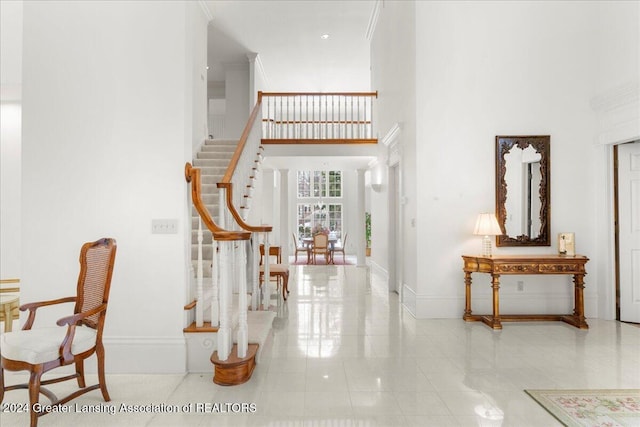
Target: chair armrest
[[72, 322], [33, 306], [74, 319]]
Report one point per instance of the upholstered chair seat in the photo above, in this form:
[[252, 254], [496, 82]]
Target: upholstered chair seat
[[43, 344]]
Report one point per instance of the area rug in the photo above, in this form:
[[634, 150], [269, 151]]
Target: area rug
[[591, 408], [302, 260]]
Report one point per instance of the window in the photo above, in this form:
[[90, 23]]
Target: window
[[317, 184], [314, 217], [317, 213]]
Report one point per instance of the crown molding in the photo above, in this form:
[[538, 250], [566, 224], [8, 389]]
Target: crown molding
[[373, 20]]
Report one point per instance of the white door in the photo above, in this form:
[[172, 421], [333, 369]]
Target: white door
[[629, 230]]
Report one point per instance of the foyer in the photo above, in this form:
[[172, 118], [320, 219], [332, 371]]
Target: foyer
[[344, 353]]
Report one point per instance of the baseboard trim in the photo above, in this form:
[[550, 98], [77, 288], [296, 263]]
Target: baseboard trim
[[436, 307], [145, 355]]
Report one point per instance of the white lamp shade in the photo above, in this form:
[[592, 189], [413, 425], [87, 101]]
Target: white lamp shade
[[487, 225]]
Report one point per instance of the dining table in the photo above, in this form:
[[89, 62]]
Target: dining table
[[308, 243]]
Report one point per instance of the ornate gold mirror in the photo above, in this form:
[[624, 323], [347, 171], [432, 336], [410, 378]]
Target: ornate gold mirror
[[523, 199]]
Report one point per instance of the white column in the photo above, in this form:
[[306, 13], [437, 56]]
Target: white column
[[284, 215], [359, 234]]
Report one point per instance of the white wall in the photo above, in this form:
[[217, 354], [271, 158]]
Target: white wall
[[497, 68], [237, 99], [108, 111], [10, 137], [393, 75]]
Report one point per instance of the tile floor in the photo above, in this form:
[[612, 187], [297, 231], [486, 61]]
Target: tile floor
[[345, 354]]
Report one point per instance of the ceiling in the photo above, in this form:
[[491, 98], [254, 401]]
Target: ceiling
[[286, 35]]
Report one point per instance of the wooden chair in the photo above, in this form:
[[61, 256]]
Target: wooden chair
[[277, 270], [339, 248], [76, 337], [9, 303], [300, 248], [320, 246]]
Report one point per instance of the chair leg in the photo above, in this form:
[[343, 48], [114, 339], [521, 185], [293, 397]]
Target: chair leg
[[1, 384], [34, 394], [80, 373], [101, 377]]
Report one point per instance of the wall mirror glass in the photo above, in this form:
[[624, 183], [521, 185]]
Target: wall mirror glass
[[523, 190]]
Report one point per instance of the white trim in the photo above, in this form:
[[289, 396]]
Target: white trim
[[260, 67], [409, 300], [392, 134], [145, 355], [373, 20], [618, 112], [205, 9], [378, 269]]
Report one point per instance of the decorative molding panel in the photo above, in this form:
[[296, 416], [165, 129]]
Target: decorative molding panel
[[618, 113]]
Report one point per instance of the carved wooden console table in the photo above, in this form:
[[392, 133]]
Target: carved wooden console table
[[525, 264]]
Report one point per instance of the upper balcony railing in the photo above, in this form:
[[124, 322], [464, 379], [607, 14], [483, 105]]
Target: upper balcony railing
[[317, 118]]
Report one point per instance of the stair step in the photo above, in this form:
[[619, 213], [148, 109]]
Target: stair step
[[219, 142], [221, 163], [215, 155]]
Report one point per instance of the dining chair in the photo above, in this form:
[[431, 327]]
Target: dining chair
[[75, 338], [339, 248], [277, 270], [300, 248], [320, 246]]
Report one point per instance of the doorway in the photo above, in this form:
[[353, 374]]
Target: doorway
[[395, 244], [626, 159]]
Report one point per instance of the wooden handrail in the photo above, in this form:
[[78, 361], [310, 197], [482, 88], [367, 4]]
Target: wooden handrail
[[261, 94], [233, 163], [192, 175], [229, 199]]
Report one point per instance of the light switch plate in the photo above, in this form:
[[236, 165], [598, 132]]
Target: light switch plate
[[164, 226]]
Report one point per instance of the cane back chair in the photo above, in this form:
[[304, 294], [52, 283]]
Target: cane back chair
[[76, 337]]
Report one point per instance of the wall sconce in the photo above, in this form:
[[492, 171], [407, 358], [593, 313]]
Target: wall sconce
[[376, 187], [487, 225]]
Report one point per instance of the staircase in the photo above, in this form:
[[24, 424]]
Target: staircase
[[212, 159]]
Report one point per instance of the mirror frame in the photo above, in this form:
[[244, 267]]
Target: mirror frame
[[541, 144]]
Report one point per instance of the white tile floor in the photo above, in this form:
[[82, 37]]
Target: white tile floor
[[345, 354]]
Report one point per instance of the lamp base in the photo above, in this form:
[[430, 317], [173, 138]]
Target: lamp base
[[486, 246]]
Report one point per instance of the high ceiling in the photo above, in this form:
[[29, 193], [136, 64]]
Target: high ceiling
[[287, 37]]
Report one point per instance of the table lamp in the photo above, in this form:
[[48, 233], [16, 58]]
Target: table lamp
[[487, 225]]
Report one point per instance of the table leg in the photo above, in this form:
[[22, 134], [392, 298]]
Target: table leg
[[467, 295], [8, 317], [495, 284], [578, 311]]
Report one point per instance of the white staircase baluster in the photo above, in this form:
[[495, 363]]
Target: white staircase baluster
[[266, 289], [226, 282], [215, 286], [255, 278], [199, 281], [243, 328]]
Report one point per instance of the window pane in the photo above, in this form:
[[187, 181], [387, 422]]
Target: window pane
[[319, 184], [335, 184], [304, 220], [304, 184], [335, 218]]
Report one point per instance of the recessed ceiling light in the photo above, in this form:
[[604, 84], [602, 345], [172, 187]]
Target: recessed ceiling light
[[324, 36]]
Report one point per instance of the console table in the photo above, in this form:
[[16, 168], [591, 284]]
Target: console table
[[498, 265]]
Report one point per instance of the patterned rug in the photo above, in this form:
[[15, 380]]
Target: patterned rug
[[591, 408]]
